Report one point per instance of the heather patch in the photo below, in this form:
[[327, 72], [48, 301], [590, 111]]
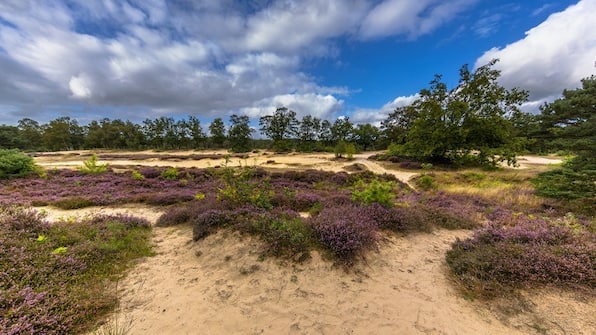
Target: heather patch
[[518, 250], [54, 277]]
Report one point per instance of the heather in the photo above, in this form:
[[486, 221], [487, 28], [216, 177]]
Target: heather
[[56, 278], [524, 251]]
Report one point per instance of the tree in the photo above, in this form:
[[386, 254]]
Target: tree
[[63, 134], [279, 127], [240, 133], [395, 128], [308, 132], [366, 136], [342, 129], [30, 134], [466, 123], [195, 131], [217, 129], [570, 124], [325, 133], [9, 137]]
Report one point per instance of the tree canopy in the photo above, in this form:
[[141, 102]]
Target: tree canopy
[[467, 123]]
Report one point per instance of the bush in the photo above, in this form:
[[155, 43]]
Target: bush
[[14, 163], [377, 191], [284, 234], [54, 277], [426, 182], [520, 251], [91, 166], [346, 231], [170, 174]]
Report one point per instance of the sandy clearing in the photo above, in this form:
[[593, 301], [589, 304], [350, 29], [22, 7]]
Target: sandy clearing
[[219, 286]]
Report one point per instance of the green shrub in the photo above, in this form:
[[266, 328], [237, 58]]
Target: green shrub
[[426, 182], [170, 174], [376, 191], [342, 148], [136, 175], [73, 203], [91, 166], [240, 188], [14, 163]]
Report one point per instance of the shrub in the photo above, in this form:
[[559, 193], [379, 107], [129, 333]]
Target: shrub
[[240, 188], [520, 251], [136, 175], [14, 163], [91, 166], [377, 191], [284, 234], [170, 174], [206, 223], [54, 277], [73, 203], [426, 182], [346, 231]]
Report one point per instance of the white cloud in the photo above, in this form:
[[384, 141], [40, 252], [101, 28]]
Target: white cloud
[[552, 56], [317, 105], [413, 18], [80, 87], [375, 116]]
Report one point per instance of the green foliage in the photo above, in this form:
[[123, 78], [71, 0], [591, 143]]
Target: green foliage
[[55, 275], [279, 127], [342, 148], [239, 134], [285, 236], [73, 203], [426, 182], [136, 175], [217, 129], [170, 174], [376, 191], [91, 166], [466, 123], [14, 163], [240, 188]]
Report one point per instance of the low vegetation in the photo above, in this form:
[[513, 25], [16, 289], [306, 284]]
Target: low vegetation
[[54, 277]]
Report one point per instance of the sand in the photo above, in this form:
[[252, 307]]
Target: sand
[[220, 285]]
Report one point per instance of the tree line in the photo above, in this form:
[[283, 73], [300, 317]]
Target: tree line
[[478, 121]]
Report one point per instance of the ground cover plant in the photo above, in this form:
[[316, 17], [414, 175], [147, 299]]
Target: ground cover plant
[[54, 277]]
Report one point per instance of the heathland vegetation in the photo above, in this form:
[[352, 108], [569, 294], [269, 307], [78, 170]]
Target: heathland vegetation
[[532, 228]]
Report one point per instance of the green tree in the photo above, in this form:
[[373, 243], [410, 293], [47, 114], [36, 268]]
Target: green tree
[[280, 126], [395, 128], [63, 133], [217, 129], [366, 136], [240, 133], [195, 131], [342, 129], [9, 137], [308, 132], [570, 124], [30, 134], [468, 122]]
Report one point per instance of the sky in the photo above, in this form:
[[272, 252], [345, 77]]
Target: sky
[[138, 59]]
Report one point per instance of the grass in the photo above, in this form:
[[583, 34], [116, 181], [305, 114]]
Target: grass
[[54, 276]]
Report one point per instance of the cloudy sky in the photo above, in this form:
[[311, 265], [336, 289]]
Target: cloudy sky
[[137, 59]]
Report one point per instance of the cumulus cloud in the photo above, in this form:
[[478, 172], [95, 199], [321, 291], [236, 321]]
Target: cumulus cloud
[[375, 116], [554, 55], [413, 18], [317, 105]]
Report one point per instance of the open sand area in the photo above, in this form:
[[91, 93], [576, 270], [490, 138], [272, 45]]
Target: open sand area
[[220, 285]]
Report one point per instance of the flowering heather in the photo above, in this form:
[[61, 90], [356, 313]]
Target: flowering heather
[[520, 250], [347, 231], [53, 277]]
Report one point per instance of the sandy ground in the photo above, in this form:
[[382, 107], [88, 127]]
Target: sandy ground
[[220, 285]]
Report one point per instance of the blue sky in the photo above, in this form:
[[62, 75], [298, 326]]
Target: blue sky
[[137, 59]]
